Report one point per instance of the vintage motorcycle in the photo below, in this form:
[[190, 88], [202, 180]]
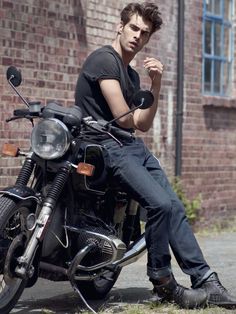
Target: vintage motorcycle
[[65, 219]]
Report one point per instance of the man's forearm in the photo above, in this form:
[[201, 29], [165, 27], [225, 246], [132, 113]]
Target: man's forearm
[[143, 118]]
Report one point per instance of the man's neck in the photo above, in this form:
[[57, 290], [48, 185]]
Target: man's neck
[[126, 57]]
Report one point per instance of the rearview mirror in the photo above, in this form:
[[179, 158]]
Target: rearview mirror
[[14, 76], [143, 99]]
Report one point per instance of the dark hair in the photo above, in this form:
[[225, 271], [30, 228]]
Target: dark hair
[[149, 11]]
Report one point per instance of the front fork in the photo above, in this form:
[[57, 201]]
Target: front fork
[[24, 268]]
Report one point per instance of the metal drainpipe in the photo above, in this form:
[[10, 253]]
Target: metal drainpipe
[[180, 89]]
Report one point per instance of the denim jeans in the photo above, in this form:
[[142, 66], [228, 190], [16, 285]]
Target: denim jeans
[[139, 173]]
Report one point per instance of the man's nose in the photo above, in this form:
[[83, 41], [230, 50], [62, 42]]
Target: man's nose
[[137, 35]]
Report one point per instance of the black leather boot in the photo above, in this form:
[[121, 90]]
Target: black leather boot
[[217, 294], [185, 298]]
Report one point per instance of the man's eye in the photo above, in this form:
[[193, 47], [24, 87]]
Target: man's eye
[[145, 34], [134, 28]]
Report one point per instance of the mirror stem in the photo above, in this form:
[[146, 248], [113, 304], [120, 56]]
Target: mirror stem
[[131, 110], [21, 97]]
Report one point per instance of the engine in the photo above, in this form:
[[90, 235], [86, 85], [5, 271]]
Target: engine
[[106, 246]]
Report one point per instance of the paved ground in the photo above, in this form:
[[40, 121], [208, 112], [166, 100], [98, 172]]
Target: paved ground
[[132, 285]]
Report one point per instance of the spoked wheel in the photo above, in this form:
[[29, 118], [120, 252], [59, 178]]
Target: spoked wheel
[[12, 238]]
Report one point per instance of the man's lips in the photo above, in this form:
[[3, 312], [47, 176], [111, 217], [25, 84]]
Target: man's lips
[[134, 44]]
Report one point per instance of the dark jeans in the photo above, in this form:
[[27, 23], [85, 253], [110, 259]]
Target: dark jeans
[[141, 175]]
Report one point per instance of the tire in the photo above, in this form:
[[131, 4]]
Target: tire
[[100, 287], [12, 226]]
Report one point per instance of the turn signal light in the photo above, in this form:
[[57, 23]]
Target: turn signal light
[[85, 169], [10, 150]]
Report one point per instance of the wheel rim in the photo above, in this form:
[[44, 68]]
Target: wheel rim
[[11, 246], [8, 291]]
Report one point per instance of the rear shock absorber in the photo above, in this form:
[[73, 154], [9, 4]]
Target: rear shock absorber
[[25, 172]]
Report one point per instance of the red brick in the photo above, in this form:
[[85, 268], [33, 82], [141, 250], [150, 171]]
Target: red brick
[[49, 42]]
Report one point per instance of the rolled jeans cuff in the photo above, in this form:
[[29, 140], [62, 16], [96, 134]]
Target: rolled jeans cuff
[[201, 280], [157, 273]]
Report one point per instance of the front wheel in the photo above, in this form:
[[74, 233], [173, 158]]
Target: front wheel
[[13, 233]]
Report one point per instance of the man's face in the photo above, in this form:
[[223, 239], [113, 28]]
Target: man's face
[[135, 34]]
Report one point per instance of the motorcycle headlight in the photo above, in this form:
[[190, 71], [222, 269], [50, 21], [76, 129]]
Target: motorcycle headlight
[[50, 139]]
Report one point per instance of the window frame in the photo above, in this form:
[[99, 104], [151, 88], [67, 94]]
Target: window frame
[[212, 57]]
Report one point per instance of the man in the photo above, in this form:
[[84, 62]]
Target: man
[[104, 91]]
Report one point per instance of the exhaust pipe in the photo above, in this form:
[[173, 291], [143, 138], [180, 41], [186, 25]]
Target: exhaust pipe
[[137, 250]]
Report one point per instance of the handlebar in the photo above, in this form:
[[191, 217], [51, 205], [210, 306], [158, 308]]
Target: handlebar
[[120, 133], [114, 132], [23, 113]]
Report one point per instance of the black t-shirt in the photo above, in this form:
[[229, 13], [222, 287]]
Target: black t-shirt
[[103, 63]]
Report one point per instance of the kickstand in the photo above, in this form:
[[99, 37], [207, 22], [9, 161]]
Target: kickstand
[[72, 269], [83, 299]]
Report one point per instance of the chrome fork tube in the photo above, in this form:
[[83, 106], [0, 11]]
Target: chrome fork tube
[[25, 260]]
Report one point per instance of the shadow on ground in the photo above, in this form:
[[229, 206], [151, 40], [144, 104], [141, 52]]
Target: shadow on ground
[[71, 303]]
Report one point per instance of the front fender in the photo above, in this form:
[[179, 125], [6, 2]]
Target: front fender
[[20, 192]]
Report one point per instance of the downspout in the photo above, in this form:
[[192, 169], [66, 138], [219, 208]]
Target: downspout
[[180, 89]]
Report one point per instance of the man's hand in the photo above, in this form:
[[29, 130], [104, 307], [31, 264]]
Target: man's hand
[[143, 118], [155, 70]]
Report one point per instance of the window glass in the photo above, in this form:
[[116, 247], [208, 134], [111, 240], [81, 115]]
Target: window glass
[[217, 8], [226, 76], [217, 76], [217, 39], [227, 42], [227, 9], [210, 5], [218, 48], [207, 75], [208, 47]]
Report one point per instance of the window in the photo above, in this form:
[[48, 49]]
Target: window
[[217, 47]]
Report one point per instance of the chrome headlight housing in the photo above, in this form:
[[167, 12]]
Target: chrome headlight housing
[[50, 139]]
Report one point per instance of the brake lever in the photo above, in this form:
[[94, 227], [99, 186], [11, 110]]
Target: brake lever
[[13, 118], [22, 117], [100, 128]]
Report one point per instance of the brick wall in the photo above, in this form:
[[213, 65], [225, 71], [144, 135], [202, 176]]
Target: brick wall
[[209, 141], [49, 40]]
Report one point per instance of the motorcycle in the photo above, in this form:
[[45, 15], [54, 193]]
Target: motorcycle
[[65, 219]]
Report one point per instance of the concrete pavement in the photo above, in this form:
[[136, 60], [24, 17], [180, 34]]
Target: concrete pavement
[[133, 285]]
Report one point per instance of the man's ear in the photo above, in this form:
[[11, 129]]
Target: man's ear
[[120, 27]]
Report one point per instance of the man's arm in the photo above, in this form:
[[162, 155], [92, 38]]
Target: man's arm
[[111, 91], [142, 118]]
